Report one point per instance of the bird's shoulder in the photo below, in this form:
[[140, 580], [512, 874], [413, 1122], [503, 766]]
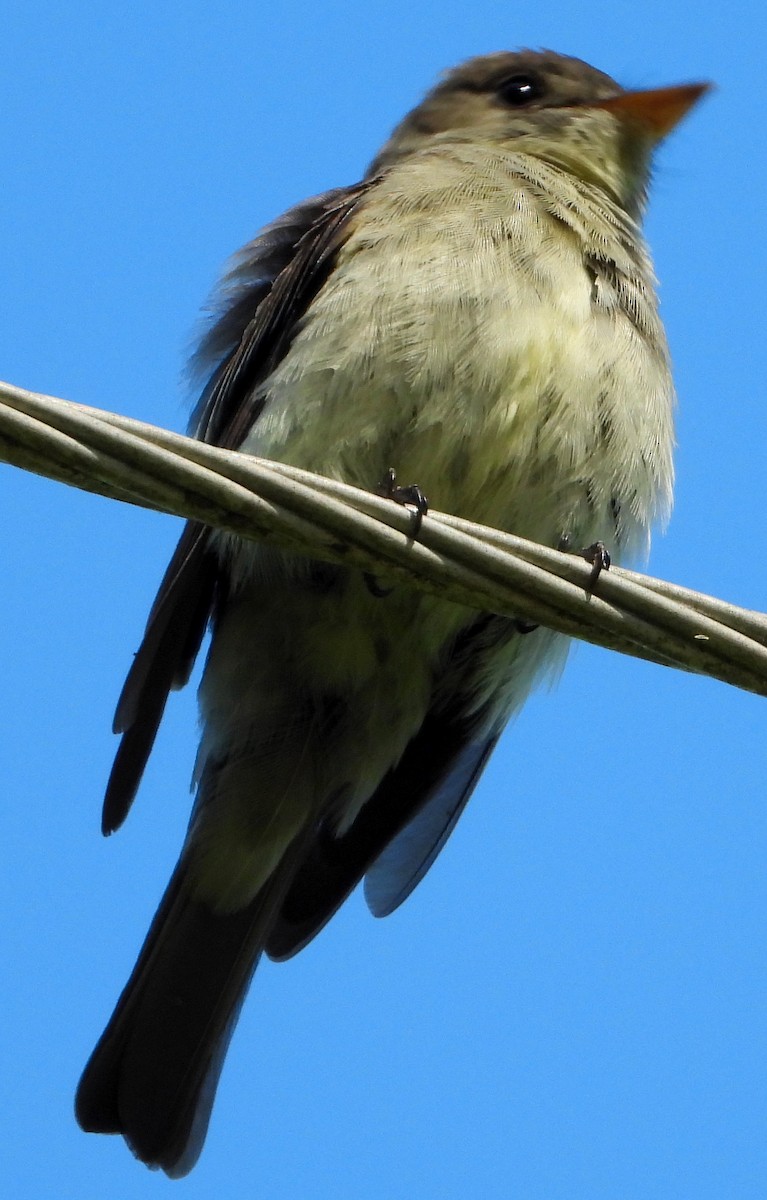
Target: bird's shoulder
[[259, 304]]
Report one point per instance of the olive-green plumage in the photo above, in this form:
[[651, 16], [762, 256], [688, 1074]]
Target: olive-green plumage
[[479, 313]]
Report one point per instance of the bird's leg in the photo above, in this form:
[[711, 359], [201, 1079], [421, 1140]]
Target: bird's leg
[[597, 554], [411, 495], [599, 557]]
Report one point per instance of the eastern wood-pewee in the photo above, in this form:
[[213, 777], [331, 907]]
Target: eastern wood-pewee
[[478, 313]]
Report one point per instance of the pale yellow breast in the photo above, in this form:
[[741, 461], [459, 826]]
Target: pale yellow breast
[[490, 331], [466, 339]]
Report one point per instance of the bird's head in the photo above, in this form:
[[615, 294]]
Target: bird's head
[[556, 108]]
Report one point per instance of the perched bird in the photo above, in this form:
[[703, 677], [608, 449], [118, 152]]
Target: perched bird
[[479, 314]]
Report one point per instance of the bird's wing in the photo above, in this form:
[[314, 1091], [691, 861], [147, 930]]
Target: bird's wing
[[402, 828], [270, 287], [273, 282], [405, 860]]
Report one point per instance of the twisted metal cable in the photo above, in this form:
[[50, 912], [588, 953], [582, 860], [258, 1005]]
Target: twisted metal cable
[[470, 564]]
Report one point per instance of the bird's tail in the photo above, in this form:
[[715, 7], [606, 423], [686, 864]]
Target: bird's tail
[[153, 1074]]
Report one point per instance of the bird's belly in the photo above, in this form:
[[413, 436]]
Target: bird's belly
[[493, 396], [493, 403]]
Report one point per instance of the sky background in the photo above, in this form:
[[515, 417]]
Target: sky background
[[574, 1003]]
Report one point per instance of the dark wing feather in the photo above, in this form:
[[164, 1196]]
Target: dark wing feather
[[267, 293], [257, 335], [430, 768], [411, 814], [402, 865], [164, 661]]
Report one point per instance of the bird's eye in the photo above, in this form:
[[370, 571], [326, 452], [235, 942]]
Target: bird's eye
[[519, 90]]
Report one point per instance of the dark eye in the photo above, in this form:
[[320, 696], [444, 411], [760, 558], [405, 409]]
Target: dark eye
[[519, 90]]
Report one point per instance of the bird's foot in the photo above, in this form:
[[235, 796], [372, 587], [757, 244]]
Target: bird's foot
[[410, 495], [597, 554], [523, 626]]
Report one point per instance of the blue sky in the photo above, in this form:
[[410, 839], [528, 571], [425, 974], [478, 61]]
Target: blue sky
[[573, 1004]]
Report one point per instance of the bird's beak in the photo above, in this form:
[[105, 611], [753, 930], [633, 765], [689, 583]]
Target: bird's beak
[[657, 110]]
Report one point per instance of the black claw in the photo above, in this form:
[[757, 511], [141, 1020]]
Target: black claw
[[375, 588], [597, 554], [411, 495], [522, 626], [599, 557]]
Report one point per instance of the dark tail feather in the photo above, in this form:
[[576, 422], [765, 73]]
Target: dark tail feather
[[154, 1072]]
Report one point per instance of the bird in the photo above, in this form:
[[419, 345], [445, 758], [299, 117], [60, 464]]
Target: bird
[[478, 315]]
